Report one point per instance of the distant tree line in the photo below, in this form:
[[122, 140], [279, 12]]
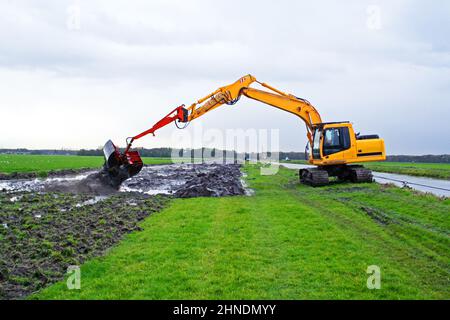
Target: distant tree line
[[39, 152], [207, 153], [84, 152], [429, 158]]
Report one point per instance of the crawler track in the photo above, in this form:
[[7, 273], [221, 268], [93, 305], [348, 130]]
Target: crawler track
[[317, 177], [314, 177], [360, 174]]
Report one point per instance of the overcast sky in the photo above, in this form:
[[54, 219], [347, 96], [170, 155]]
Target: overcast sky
[[76, 73]]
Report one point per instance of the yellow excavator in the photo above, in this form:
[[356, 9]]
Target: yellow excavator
[[334, 148]]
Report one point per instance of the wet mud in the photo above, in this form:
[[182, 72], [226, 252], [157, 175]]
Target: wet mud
[[49, 224], [96, 183], [178, 180], [41, 234], [187, 180]]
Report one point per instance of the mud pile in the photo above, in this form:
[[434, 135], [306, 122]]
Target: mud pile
[[221, 180], [188, 180], [178, 180]]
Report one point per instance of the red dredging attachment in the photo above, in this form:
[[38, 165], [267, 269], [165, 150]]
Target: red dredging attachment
[[118, 166], [121, 166]]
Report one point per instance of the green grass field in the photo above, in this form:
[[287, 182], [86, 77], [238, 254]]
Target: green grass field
[[42, 163], [288, 241], [432, 170]]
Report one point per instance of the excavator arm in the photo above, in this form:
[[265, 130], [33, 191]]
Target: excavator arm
[[179, 113], [232, 93], [120, 166]]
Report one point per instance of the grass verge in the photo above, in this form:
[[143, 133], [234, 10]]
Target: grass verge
[[288, 241]]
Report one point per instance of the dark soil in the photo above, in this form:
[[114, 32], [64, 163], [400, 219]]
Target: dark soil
[[187, 180], [179, 180], [50, 174], [48, 225], [377, 215], [222, 180], [96, 184], [42, 234]]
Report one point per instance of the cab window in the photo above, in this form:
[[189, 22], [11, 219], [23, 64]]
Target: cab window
[[335, 140], [316, 144]]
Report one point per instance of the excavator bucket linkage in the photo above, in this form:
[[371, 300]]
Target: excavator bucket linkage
[[120, 166]]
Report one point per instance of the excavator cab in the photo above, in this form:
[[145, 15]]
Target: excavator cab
[[329, 140], [336, 143], [120, 166]]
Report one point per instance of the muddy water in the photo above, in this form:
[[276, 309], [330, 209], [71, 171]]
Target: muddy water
[[49, 224], [179, 180], [37, 185], [437, 187], [187, 180]]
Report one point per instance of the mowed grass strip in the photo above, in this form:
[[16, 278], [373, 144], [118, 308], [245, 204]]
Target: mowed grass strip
[[10, 163], [288, 241]]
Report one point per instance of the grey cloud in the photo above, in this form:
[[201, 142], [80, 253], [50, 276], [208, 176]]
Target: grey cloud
[[180, 50]]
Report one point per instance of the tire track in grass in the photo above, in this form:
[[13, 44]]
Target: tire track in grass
[[429, 240], [394, 250], [308, 246], [424, 241]]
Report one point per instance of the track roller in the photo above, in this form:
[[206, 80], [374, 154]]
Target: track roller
[[360, 174], [314, 177]]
